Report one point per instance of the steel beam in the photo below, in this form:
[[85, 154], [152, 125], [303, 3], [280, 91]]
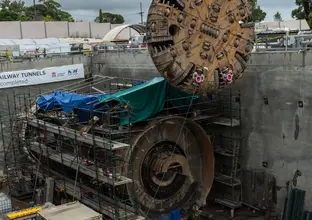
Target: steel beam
[[74, 134]]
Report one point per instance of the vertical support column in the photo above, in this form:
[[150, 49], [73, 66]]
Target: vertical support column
[[49, 189], [68, 32], [90, 31], [21, 29], [45, 29]]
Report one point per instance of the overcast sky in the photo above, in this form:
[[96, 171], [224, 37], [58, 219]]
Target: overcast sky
[[87, 10]]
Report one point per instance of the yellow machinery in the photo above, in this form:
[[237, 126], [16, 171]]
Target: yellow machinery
[[6, 55], [24, 212]]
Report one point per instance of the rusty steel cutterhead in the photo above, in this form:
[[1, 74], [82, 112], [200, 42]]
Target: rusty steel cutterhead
[[173, 161], [200, 46]]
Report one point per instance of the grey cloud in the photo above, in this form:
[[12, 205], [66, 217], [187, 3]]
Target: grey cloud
[[106, 5], [88, 9], [277, 4], [272, 6]]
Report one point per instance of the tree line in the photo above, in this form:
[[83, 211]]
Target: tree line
[[50, 10], [45, 10]]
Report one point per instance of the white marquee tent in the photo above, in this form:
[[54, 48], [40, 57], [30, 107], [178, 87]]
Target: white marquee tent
[[52, 45]]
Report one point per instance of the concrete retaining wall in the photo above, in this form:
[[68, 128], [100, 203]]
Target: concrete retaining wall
[[41, 29], [278, 133], [12, 30], [49, 62], [35, 29], [125, 65], [57, 29]]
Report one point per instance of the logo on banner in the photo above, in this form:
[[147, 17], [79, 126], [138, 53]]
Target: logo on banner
[[73, 72], [54, 74], [41, 76]]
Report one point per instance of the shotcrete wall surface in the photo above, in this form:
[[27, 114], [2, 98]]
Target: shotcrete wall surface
[[278, 133], [46, 62], [127, 65], [277, 118]]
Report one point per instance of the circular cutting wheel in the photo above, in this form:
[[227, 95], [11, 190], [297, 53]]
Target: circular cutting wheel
[[173, 166], [200, 45]]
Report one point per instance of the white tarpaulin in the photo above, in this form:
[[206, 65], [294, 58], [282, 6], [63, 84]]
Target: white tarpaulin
[[41, 76]]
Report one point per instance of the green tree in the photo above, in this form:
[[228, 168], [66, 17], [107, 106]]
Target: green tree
[[100, 16], [278, 17], [111, 18], [52, 8], [46, 9], [298, 13], [303, 11], [64, 16], [13, 11], [70, 19], [48, 18], [257, 13]]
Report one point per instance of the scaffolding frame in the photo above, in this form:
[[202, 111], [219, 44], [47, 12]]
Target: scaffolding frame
[[32, 143], [227, 141], [62, 139]]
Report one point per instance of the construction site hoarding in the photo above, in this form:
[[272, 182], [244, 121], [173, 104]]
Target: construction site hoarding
[[41, 76]]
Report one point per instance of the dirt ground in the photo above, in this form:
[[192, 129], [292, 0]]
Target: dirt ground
[[222, 213]]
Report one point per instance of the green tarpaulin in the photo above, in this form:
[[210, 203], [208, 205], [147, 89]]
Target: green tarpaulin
[[148, 99]]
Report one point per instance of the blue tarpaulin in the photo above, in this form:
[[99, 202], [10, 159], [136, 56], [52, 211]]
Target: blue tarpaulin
[[67, 101], [145, 100], [174, 215]]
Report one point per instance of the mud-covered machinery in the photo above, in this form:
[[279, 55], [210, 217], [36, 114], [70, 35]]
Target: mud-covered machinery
[[144, 148], [200, 46], [126, 150]]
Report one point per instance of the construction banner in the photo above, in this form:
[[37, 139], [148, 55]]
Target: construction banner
[[41, 76]]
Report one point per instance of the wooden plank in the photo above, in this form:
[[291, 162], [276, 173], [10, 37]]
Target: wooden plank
[[74, 134], [105, 208], [71, 161], [227, 122], [226, 180], [228, 203], [205, 117]]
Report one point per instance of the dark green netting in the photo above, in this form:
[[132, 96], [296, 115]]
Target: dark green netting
[[179, 99], [295, 205], [307, 216], [147, 99]]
